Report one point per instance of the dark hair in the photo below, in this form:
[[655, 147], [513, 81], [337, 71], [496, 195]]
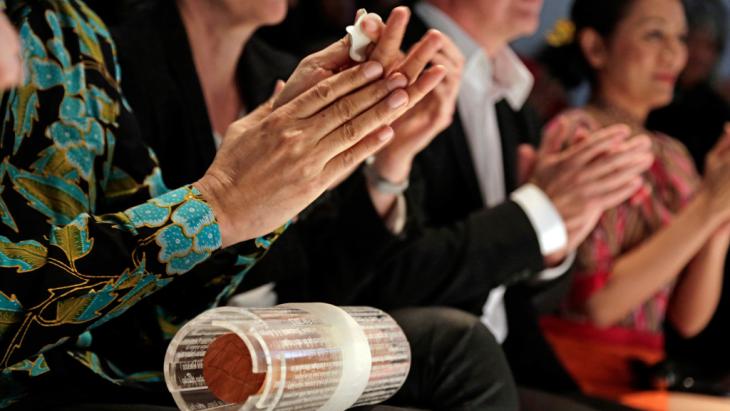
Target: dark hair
[[710, 15], [567, 62]]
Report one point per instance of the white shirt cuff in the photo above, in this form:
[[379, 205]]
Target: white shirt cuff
[[553, 273], [395, 220], [545, 219]]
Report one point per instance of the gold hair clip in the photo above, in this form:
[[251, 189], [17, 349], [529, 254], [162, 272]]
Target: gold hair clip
[[562, 34]]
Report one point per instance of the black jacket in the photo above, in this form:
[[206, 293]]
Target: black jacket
[[463, 250]]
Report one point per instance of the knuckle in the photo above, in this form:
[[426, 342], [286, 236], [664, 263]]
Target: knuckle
[[349, 132], [309, 170], [323, 91], [269, 124], [348, 159], [345, 109], [306, 61]]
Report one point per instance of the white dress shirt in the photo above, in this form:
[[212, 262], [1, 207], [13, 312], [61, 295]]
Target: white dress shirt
[[485, 82]]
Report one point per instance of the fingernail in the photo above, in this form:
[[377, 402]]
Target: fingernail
[[386, 134], [372, 69], [368, 25], [555, 124], [396, 80], [398, 99]]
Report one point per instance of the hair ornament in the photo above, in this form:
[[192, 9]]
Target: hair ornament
[[562, 34]]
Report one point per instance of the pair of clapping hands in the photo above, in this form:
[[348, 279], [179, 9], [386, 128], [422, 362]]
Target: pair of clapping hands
[[328, 118]]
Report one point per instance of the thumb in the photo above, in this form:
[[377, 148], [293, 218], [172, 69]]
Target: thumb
[[278, 88], [276, 98], [554, 136], [526, 160]]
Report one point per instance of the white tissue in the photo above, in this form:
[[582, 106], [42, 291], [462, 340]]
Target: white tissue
[[359, 41]]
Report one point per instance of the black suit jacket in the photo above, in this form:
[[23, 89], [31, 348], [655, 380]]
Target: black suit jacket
[[469, 249]]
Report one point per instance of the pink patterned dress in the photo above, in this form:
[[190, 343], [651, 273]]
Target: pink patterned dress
[[669, 185]]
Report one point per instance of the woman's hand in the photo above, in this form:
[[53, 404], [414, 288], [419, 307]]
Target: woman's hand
[[717, 180], [600, 170], [387, 39], [11, 67], [415, 133], [276, 161]]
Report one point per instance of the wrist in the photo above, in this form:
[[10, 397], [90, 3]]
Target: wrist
[[391, 185], [713, 214], [212, 191], [394, 169]]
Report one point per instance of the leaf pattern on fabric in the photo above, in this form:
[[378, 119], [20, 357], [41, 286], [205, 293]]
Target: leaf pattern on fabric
[[25, 256]]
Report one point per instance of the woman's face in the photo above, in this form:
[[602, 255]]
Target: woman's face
[[646, 53]]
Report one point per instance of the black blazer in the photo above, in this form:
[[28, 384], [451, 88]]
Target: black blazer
[[468, 249]]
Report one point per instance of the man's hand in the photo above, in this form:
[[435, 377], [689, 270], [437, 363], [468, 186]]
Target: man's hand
[[421, 124], [599, 171], [11, 67]]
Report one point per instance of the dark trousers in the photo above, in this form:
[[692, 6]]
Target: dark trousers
[[457, 364]]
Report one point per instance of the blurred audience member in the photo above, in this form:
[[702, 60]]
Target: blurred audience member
[[697, 117], [660, 254], [698, 113]]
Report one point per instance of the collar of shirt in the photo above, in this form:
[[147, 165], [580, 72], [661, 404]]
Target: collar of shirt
[[504, 76]]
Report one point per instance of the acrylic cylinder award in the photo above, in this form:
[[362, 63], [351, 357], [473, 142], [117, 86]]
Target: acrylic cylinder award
[[304, 357]]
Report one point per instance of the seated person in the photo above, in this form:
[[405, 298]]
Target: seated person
[[696, 97], [660, 254]]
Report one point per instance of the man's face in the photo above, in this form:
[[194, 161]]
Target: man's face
[[512, 19]]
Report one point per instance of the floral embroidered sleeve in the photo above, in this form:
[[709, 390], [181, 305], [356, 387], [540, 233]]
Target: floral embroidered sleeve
[[64, 268]]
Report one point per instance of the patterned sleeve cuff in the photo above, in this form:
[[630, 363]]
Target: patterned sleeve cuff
[[186, 230]]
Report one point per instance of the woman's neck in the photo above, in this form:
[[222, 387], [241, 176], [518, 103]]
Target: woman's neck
[[216, 44], [611, 108]]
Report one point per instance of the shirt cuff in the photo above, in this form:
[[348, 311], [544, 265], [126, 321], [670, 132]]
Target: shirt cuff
[[395, 220], [545, 219], [553, 273]]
